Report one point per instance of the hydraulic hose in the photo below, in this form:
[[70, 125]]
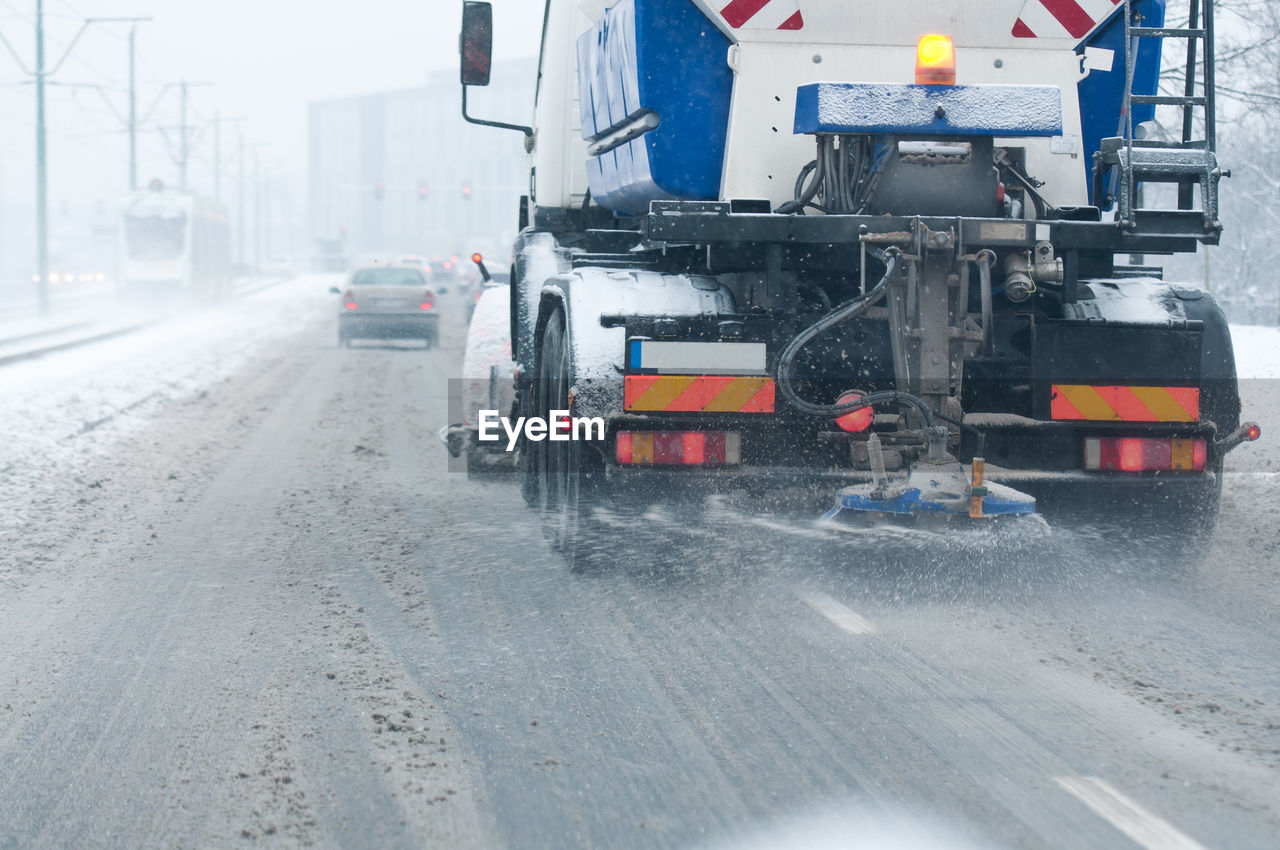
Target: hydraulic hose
[[851, 309], [986, 259]]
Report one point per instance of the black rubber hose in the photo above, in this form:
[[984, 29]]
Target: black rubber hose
[[849, 310], [804, 195]]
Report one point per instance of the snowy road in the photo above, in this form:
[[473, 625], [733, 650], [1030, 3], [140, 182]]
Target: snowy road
[[243, 601]]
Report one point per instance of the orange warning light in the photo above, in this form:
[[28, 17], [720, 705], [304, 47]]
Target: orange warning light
[[936, 61]]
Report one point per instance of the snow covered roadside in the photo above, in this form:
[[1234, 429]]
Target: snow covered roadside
[[1257, 351], [63, 411], [1258, 364]]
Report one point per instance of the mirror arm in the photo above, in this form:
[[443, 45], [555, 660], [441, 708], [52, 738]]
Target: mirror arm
[[528, 131]]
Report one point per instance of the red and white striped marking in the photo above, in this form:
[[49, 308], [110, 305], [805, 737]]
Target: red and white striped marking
[[1062, 18], [763, 14]]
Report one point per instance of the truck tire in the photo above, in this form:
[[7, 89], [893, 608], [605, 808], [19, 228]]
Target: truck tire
[[568, 475]]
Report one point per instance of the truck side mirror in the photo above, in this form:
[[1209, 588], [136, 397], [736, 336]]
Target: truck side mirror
[[476, 46], [476, 43]]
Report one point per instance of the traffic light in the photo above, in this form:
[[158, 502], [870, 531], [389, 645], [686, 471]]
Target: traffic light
[[422, 190], [379, 190]]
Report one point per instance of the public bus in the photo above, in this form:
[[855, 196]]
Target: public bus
[[173, 242]]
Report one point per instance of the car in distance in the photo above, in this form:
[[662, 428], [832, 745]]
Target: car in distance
[[387, 302]]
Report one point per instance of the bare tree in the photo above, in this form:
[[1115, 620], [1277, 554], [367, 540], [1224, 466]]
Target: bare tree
[[1243, 270]]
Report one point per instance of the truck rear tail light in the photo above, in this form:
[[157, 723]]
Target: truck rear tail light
[[1144, 454], [679, 448], [856, 421]]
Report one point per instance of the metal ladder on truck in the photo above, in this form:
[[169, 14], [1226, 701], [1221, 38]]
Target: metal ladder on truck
[[1187, 162]]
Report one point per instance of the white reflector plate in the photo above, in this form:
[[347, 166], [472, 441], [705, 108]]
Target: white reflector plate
[[698, 358]]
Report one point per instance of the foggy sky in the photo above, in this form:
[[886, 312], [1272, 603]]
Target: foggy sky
[[267, 58]]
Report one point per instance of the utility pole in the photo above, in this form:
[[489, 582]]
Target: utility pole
[[40, 76], [217, 156], [266, 214], [133, 110], [42, 177], [218, 121], [257, 210], [240, 218], [182, 128]]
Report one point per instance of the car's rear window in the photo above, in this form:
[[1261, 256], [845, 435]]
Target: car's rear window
[[387, 277]]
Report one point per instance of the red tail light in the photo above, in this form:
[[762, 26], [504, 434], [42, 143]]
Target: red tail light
[[428, 300], [855, 421], [1144, 454], [350, 300], [679, 448]]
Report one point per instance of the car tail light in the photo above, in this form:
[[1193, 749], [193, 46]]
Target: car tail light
[[856, 421], [428, 300], [679, 448], [1144, 454], [350, 300]]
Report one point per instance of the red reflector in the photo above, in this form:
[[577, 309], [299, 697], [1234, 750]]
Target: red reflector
[[856, 421], [1131, 455], [695, 448], [668, 448], [1199, 454], [715, 448], [678, 448]]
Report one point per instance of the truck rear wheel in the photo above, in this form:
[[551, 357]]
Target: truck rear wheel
[[568, 475]]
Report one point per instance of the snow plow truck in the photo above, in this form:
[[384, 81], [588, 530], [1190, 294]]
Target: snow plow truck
[[891, 250]]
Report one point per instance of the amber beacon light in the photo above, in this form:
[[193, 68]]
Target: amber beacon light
[[935, 61]]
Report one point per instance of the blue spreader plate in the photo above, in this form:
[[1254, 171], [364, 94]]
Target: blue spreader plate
[[899, 110], [1002, 501]]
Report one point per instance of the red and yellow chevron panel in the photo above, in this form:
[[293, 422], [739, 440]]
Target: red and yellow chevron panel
[[698, 394], [1084, 403]]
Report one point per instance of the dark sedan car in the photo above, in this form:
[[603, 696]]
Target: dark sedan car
[[387, 302]]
